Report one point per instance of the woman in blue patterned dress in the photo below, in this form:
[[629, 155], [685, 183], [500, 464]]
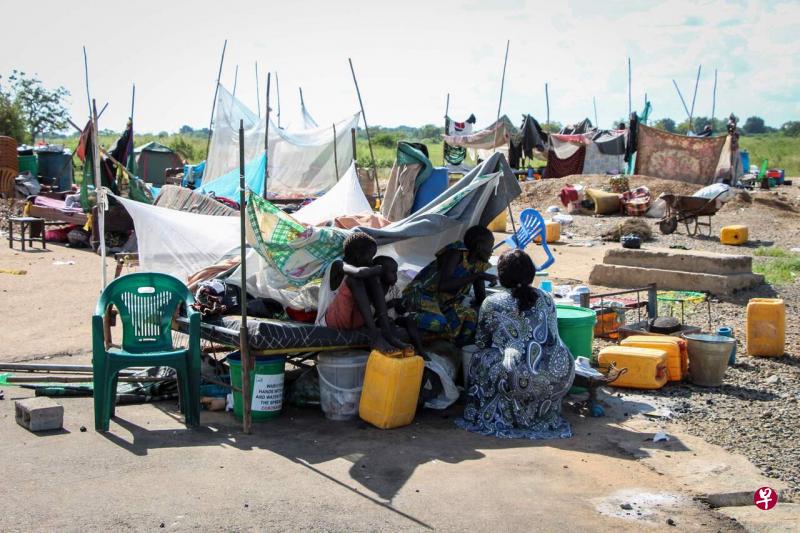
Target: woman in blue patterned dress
[[522, 370]]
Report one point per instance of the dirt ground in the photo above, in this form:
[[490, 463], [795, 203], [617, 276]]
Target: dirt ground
[[314, 474]]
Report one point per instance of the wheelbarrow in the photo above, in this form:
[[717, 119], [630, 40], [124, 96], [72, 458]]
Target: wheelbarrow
[[688, 209]]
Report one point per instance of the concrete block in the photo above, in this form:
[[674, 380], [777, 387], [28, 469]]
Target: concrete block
[[39, 414], [680, 260], [627, 276]]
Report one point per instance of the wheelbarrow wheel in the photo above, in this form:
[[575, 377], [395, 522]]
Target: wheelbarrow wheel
[[668, 225]]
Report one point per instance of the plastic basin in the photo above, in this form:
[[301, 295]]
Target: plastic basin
[[708, 358]]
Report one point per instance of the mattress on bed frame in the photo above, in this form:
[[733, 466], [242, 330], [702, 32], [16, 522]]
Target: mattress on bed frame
[[269, 334]]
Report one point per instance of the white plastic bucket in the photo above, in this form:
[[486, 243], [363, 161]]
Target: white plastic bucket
[[341, 378], [466, 358]]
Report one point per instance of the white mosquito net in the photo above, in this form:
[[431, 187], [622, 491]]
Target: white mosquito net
[[300, 163]]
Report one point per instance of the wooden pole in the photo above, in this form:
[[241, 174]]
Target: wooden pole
[[694, 96], [335, 155], [86, 77], [244, 343], [131, 157], [266, 137], [499, 107], [235, 80], [714, 100], [446, 125], [258, 93], [353, 137], [100, 194], [594, 103], [547, 102], [685, 107], [278, 94], [630, 104], [302, 103], [216, 91], [366, 128]]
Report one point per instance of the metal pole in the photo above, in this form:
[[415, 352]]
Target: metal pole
[[258, 93], [278, 93], [266, 137], [244, 344], [714, 100], [100, 194], [235, 80], [216, 90], [685, 107], [547, 101], [335, 155], [594, 103], [694, 96], [630, 105], [366, 128]]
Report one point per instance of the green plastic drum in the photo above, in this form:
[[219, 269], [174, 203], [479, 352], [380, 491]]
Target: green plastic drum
[[28, 163], [266, 386], [576, 328]]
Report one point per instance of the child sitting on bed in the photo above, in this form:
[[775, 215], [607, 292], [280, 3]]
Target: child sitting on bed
[[361, 288]]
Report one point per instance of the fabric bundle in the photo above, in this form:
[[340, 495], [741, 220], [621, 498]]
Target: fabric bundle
[[636, 202]]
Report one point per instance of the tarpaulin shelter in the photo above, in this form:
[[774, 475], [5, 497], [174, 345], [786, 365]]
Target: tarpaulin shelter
[[410, 169], [152, 161], [300, 163], [496, 135], [679, 157]]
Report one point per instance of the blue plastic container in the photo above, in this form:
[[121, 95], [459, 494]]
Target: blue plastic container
[[432, 187], [725, 331], [745, 160]]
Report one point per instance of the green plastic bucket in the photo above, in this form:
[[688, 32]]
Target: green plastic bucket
[[576, 328], [29, 163], [266, 386]]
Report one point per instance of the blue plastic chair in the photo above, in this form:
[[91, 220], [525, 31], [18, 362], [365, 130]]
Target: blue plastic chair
[[146, 303], [531, 226]]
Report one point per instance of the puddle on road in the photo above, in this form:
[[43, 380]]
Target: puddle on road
[[642, 506]]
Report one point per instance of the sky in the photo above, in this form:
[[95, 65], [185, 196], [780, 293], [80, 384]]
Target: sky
[[408, 56]]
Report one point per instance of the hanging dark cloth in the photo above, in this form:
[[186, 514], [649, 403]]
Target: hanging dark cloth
[[558, 168], [610, 143], [514, 153], [533, 136], [633, 133], [584, 126]]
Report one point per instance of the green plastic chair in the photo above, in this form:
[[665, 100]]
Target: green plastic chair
[[146, 303]]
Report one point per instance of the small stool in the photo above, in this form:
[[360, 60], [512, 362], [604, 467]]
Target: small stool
[[26, 223]]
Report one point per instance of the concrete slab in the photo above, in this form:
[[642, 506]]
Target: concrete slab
[[628, 276], [681, 260], [783, 518]]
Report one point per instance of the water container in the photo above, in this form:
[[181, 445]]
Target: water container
[[56, 165], [726, 331], [498, 225], [552, 232], [745, 159], [766, 327], [708, 358], [391, 389], [576, 329], [28, 163], [677, 363], [266, 386], [341, 378], [647, 367], [432, 187], [733, 235]]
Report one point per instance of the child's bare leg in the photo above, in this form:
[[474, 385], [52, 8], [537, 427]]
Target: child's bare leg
[[361, 299]]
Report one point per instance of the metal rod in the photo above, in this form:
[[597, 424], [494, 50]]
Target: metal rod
[[266, 137], [366, 128], [630, 104], [685, 107], [41, 367], [714, 100], [216, 91], [258, 93], [244, 343], [594, 103], [547, 102], [235, 80], [694, 96], [278, 94], [335, 155], [78, 379]]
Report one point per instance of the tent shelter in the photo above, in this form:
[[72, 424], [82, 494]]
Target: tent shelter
[[152, 161]]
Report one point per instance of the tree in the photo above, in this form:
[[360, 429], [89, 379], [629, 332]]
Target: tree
[[666, 124], [791, 128], [553, 127], [186, 130], [11, 123], [42, 109], [754, 125]]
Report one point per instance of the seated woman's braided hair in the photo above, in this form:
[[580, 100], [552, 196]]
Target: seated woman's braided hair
[[516, 271]]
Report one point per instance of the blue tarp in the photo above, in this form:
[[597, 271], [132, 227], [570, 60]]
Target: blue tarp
[[227, 185]]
